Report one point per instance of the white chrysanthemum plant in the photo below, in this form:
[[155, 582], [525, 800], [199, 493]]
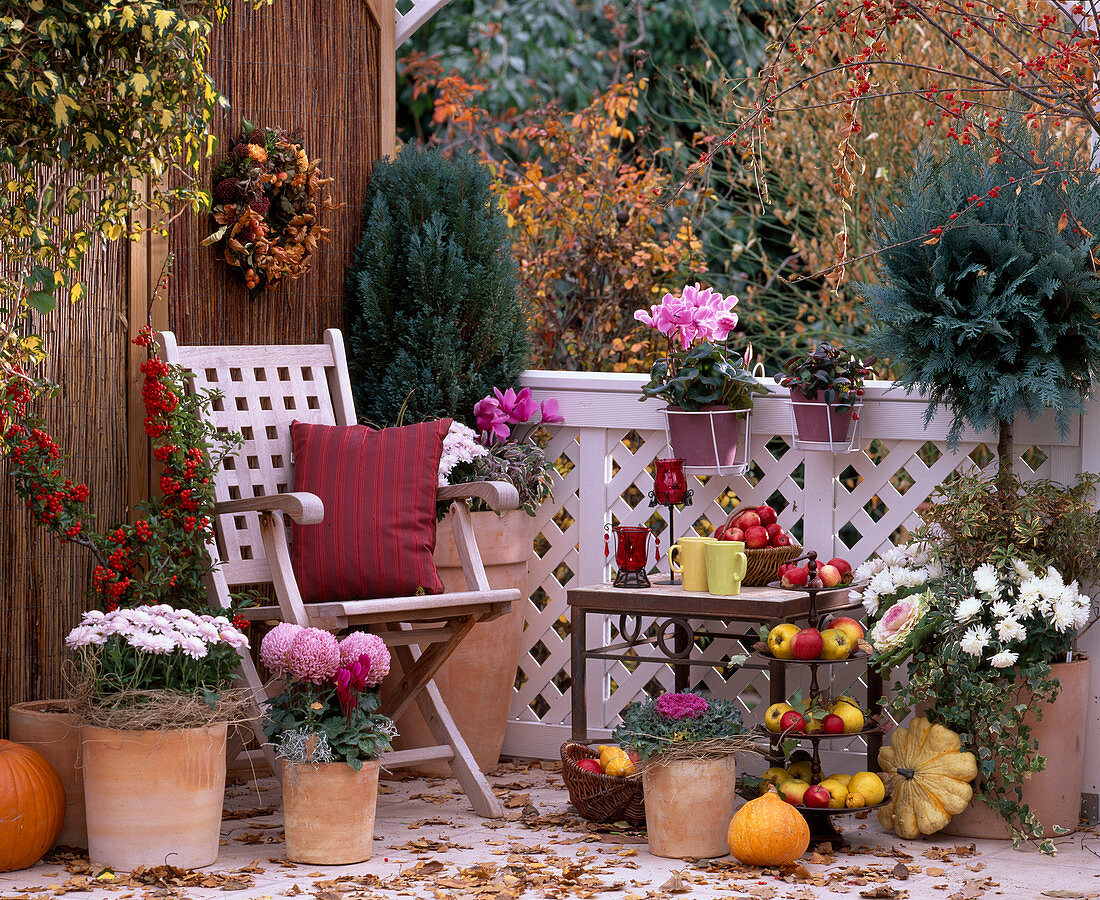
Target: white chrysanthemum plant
[[131, 660], [460, 445]]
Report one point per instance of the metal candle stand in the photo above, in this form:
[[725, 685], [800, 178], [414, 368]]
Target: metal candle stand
[[676, 489]]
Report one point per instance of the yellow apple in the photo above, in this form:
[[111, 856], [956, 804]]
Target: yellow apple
[[774, 714], [779, 640], [794, 790], [837, 644], [813, 725], [801, 771], [842, 777], [838, 791], [852, 715], [775, 775], [869, 786]]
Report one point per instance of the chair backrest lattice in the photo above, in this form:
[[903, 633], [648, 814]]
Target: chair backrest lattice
[[263, 390]]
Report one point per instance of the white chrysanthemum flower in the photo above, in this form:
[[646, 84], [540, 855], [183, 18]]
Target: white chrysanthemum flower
[[163, 624], [975, 640], [895, 556], [158, 643], [1052, 585], [187, 626], [935, 570], [1002, 609], [1003, 660], [986, 581], [221, 622], [145, 642], [81, 636], [967, 609], [234, 638], [113, 624], [193, 646], [1063, 614], [865, 571], [208, 631], [1009, 630], [1084, 610], [459, 445], [92, 616], [1023, 570], [869, 601], [882, 583]]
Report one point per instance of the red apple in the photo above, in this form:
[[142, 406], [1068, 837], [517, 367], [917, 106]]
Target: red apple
[[721, 530], [841, 566], [793, 721], [783, 567], [796, 576], [807, 644], [774, 530], [756, 537], [747, 520], [767, 515], [829, 575], [816, 797], [593, 765], [832, 724], [849, 626], [782, 540], [733, 534]]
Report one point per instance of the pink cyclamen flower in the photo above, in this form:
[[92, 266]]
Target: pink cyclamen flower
[[549, 409], [359, 644], [275, 647], [517, 408], [681, 706], [314, 655], [490, 419]]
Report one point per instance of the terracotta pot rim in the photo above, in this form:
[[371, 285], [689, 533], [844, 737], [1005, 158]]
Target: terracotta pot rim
[[217, 726], [44, 707]]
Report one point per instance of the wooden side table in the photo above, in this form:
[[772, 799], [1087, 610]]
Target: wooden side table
[[674, 608]]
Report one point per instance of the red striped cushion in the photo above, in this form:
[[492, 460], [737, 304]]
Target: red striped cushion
[[379, 488]]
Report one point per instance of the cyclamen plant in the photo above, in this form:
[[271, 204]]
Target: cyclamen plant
[[698, 369], [162, 556], [328, 710]]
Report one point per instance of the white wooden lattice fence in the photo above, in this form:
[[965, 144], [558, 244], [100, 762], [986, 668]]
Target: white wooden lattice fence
[[848, 505]]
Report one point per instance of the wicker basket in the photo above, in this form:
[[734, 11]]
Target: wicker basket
[[763, 565], [599, 797]]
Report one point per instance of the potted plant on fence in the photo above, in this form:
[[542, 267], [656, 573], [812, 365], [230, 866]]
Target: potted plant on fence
[[707, 390], [985, 612], [686, 746], [327, 730], [157, 560], [826, 396]]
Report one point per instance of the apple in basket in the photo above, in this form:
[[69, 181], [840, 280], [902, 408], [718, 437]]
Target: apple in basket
[[756, 537], [590, 765], [733, 534], [747, 520], [767, 515]]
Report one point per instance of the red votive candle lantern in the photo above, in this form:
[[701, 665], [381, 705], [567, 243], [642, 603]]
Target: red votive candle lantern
[[631, 555], [670, 485]]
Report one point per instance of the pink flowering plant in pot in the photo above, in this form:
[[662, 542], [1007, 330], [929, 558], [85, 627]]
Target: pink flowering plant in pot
[[672, 723], [328, 710]]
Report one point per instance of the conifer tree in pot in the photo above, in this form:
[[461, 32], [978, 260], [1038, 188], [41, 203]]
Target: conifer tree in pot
[[434, 317], [988, 297]]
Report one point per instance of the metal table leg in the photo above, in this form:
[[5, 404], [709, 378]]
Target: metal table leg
[[578, 664]]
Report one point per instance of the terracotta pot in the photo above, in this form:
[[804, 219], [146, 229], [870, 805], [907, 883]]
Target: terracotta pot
[[708, 438], [478, 681], [328, 812], [1054, 794], [819, 422], [688, 806], [154, 797], [50, 727]]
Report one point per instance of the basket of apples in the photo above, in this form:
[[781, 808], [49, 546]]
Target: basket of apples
[[767, 545], [603, 783]]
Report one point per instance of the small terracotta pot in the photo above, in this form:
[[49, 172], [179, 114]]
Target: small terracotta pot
[[1054, 794], [819, 422], [50, 727], [478, 681], [688, 806], [154, 797], [328, 812], [708, 438]]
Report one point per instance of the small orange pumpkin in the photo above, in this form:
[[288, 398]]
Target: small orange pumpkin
[[32, 806], [768, 832]]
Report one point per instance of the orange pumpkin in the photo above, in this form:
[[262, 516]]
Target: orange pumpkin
[[768, 832], [32, 806]]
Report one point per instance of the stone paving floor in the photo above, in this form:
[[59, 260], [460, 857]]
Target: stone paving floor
[[429, 844]]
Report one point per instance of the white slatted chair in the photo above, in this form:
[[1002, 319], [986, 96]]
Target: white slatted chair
[[264, 389]]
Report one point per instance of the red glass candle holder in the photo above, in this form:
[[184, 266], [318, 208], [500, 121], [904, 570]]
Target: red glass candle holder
[[670, 484], [631, 555]]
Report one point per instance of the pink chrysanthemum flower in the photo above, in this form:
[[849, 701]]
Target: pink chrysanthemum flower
[[275, 647], [681, 706], [359, 643], [314, 655]]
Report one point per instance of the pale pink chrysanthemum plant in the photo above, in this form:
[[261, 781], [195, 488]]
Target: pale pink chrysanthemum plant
[[328, 709]]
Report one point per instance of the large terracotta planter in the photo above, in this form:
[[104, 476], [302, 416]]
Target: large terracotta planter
[[1054, 794], [478, 681], [706, 439], [154, 797], [50, 727], [328, 812], [688, 806]]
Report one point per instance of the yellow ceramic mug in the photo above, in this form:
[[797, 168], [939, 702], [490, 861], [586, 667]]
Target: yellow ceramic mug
[[692, 561], [726, 565]]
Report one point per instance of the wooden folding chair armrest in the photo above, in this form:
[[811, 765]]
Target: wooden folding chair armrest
[[304, 508], [498, 495]]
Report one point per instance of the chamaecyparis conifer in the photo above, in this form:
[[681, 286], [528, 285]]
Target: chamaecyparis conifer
[[434, 317], [988, 297]]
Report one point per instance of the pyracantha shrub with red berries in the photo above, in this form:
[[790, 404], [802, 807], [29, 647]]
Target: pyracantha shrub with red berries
[[161, 556]]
